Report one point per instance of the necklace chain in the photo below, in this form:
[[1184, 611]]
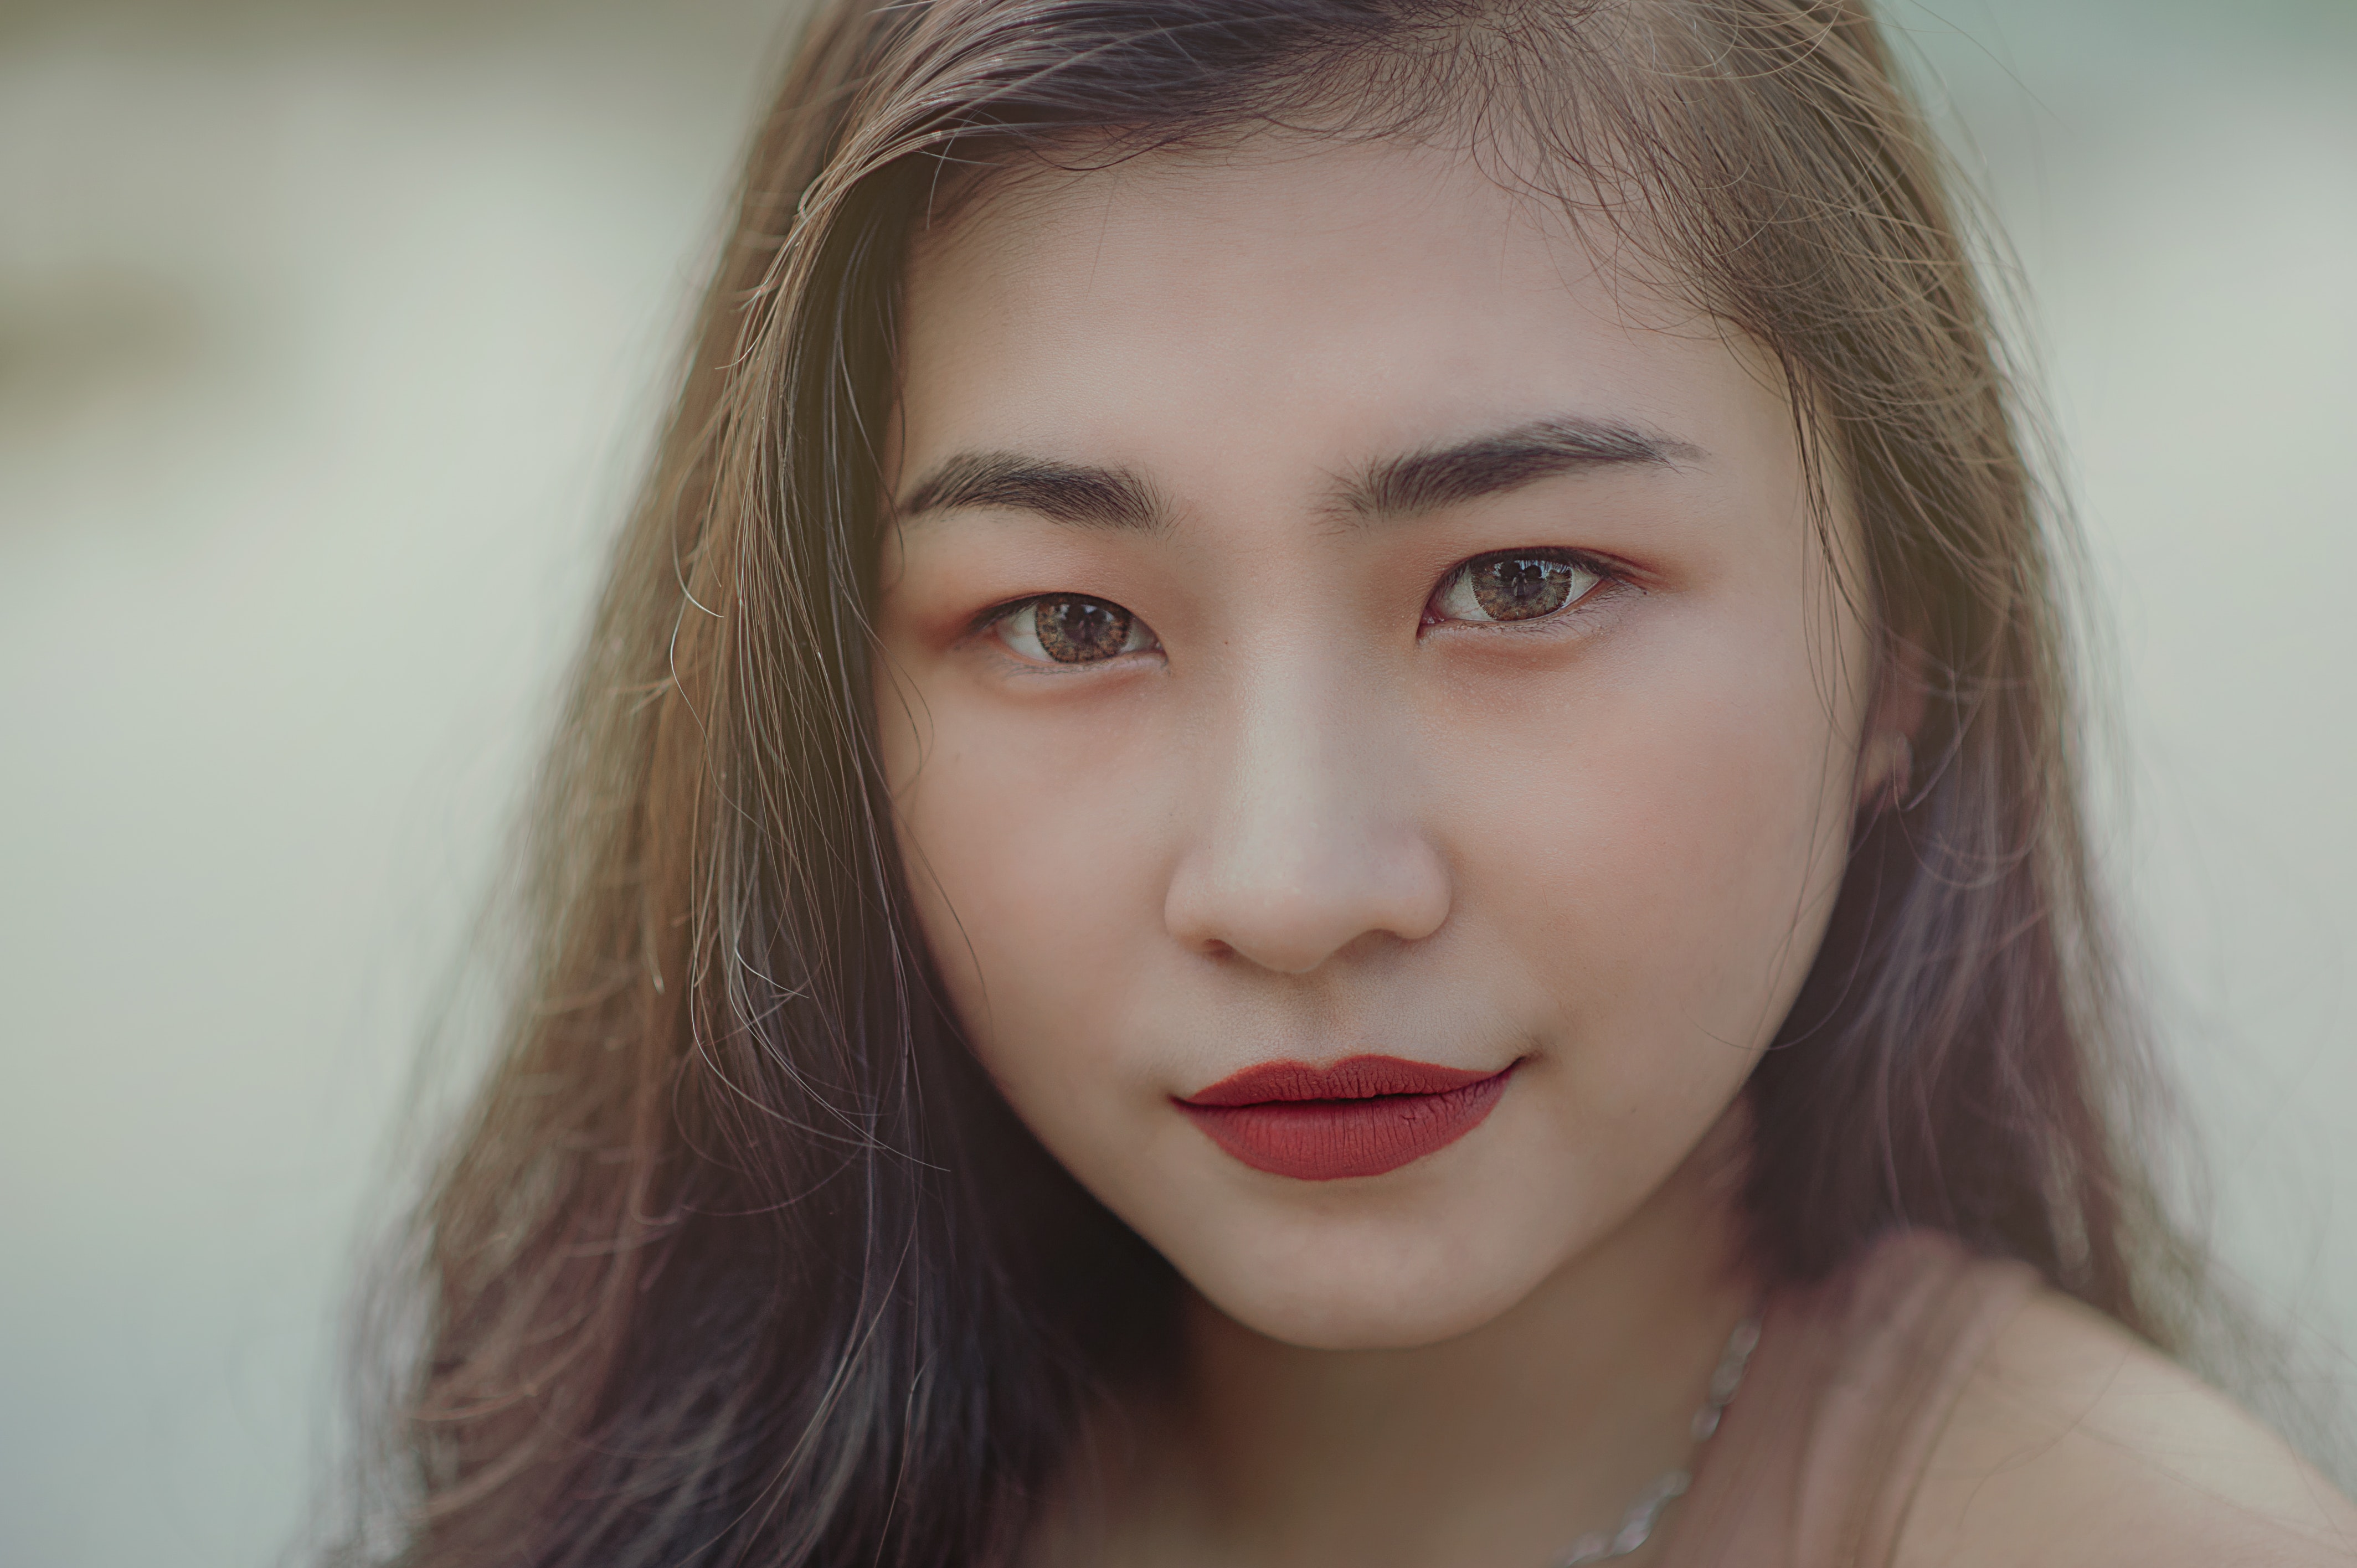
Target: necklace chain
[[1637, 1525]]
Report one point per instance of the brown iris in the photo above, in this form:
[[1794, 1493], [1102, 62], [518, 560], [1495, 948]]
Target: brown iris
[[1080, 631], [1518, 587]]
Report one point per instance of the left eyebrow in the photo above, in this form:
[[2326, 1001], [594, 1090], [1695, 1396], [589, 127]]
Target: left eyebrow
[[1428, 480]]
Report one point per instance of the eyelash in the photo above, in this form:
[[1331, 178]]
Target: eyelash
[[989, 620], [1608, 575], [999, 612]]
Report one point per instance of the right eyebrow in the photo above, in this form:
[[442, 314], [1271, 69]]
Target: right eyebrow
[[1067, 492]]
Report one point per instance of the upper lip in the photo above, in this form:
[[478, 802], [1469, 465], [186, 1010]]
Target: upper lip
[[1352, 1078]]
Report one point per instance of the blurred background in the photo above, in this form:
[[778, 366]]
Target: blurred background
[[332, 335]]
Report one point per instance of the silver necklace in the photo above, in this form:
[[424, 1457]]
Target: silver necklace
[[1637, 1524]]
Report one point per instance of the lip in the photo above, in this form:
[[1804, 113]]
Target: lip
[[1360, 1117]]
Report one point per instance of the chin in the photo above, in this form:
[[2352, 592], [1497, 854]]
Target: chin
[[1366, 1287]]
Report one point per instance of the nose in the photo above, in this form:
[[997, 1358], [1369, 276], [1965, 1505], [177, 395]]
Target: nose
[[1309, 837]]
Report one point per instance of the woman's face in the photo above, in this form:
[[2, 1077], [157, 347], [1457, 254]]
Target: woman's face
[[1331, 614]]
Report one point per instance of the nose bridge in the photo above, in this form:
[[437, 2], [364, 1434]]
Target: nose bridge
[[1311, 836]]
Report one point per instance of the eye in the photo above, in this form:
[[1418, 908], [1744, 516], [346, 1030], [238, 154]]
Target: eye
[[1514, 585], [1068, 629]]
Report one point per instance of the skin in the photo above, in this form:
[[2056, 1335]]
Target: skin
[[2074, 1443], [1305, 818]]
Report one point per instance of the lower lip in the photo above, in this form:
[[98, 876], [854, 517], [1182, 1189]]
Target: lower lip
[[1311, 1139]]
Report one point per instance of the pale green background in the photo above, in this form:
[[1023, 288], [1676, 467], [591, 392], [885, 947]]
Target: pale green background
[[328, 337]]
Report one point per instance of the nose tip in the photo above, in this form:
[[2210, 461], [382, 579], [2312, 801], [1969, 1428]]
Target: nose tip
[[1313, 834], [1292, 908]]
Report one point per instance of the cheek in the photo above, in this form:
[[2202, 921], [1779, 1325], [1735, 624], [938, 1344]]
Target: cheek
[[1030, 872], [1666, 851]]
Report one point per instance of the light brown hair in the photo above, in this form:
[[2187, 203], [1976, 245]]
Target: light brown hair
[[739, 1258]]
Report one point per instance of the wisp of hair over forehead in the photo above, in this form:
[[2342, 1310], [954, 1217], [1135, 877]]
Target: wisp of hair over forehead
[[738, 1257]]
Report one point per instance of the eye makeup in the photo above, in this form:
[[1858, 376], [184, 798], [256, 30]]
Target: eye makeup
[[1071, 628], [1510, 585]]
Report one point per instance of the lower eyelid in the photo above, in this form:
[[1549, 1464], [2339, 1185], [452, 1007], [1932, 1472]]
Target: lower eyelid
[[984, 634], [1015, 665], [1608, 585]]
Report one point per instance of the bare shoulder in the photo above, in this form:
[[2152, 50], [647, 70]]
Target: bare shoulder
[[2074, 1443]]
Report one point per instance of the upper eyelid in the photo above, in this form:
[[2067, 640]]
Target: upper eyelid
[[1607, 572], [999, 612], [1005, 608], [988, 619], [1603, 567]]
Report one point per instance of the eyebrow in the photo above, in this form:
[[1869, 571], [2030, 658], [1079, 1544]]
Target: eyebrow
[[1395, 488], [1488, 465], [1065, 492]]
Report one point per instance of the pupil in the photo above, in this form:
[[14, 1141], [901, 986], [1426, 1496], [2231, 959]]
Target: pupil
[[1518, 588], [1076, 632]]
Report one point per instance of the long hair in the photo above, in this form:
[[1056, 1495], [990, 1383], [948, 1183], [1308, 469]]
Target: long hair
[[738, 1257]]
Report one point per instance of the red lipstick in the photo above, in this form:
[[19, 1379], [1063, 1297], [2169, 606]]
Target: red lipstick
[[1360, 1117]]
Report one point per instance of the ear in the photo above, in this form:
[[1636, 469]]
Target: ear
[[1885, 752]]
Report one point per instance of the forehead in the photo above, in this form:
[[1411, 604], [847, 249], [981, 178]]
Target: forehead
[[1317, 299]]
